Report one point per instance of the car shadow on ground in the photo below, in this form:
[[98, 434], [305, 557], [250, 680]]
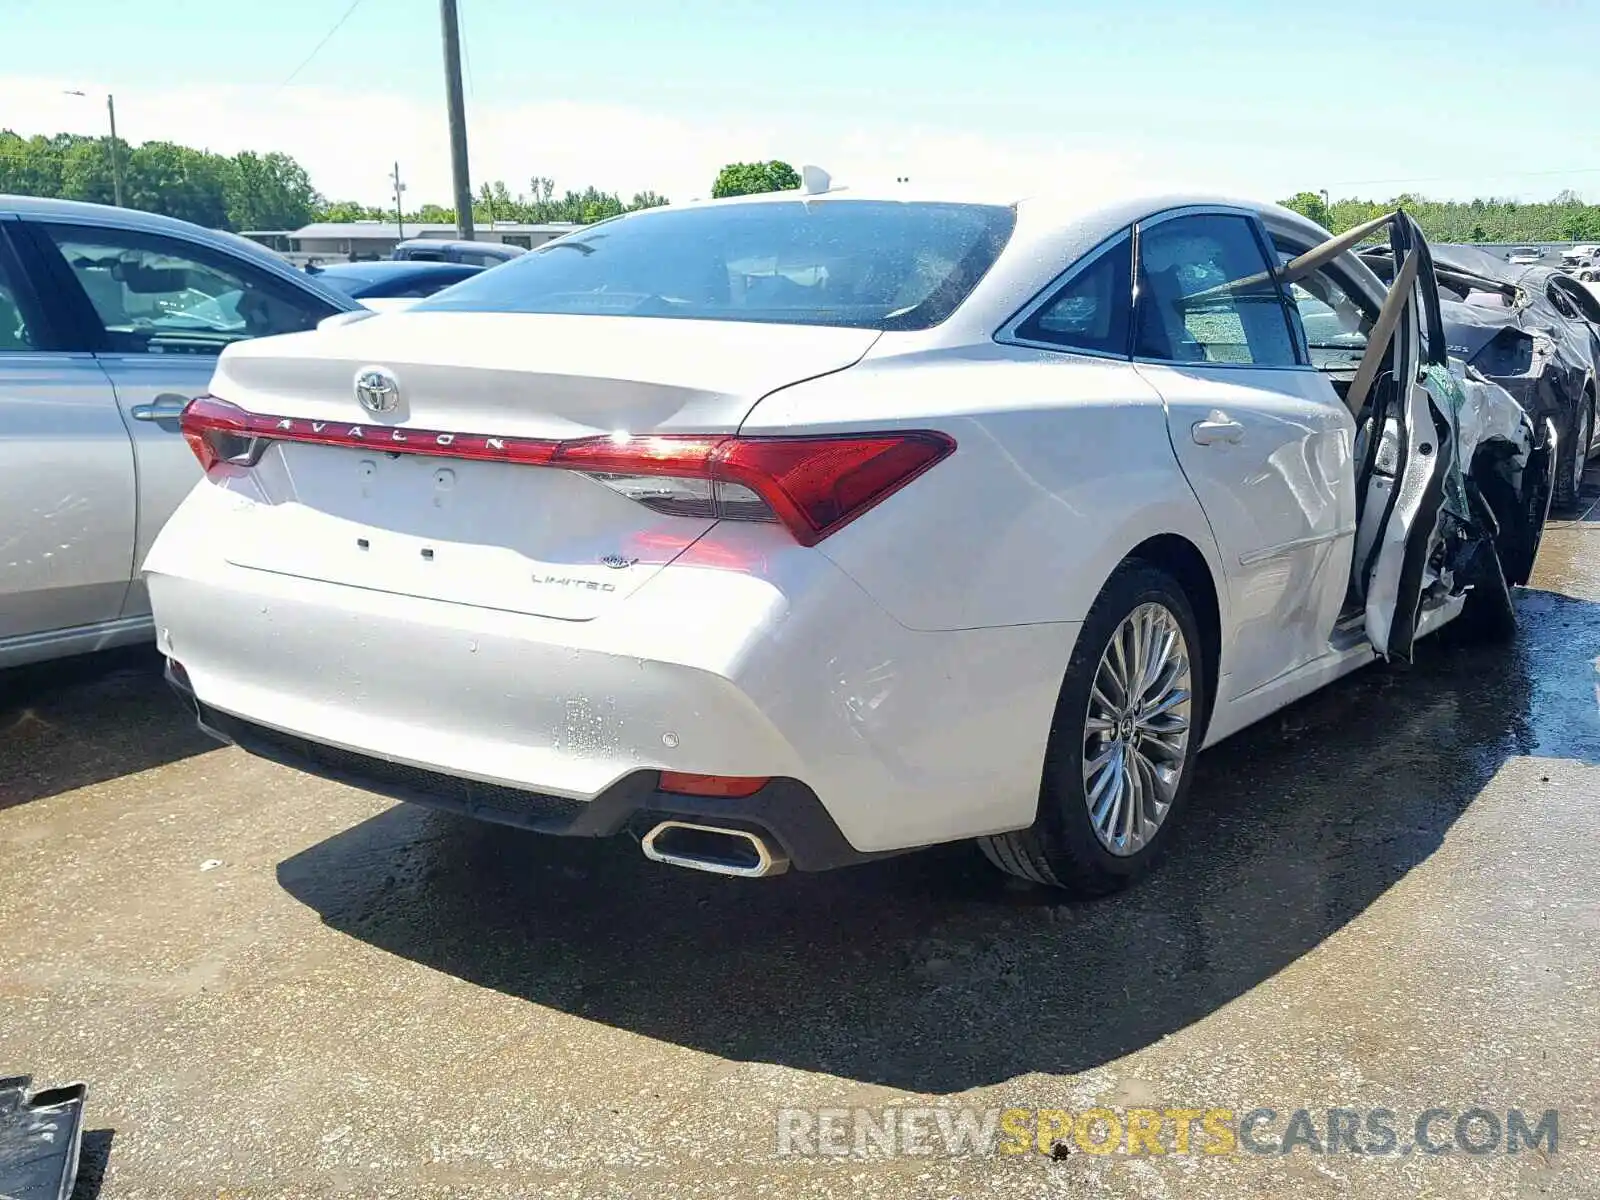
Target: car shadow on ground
[[83, 720], [933, 973]]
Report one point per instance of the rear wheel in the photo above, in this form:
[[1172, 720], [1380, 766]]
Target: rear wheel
[[1123, 742], [1569, 480]]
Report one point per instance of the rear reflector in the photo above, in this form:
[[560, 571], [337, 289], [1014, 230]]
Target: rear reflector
[[682, 784], [812, 485]]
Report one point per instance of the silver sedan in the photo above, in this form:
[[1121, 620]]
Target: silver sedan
[[110, 322]]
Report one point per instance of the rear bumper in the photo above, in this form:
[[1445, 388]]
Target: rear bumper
[[877, 738], [785, 809]]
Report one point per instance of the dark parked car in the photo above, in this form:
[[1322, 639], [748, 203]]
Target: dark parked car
[[1533, 330], [389, 280], [477, 254]]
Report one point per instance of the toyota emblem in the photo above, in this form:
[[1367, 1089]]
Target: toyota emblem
[[377, 390]]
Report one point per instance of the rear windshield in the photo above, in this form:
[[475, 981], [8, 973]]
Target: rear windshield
[[858, 263]]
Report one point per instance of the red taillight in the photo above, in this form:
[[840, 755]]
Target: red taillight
[[683, 784], [813, 485], [818, 485], [215, 430]]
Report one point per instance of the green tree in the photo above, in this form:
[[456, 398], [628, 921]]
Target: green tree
[[29, 166], [85, 170], [748, 179], [1311, 206], [353, 210], [270, 191], [494, 202], [1483, 219], [177, 181]]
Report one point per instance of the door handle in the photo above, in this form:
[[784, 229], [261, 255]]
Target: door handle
[[168, 406], [1217, 428]]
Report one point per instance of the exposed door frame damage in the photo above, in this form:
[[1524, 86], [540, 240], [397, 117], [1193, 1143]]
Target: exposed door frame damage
[[1453, 476]]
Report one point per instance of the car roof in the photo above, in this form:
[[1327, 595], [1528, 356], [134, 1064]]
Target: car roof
[[373, 267], [1088, 201], [109, 217], [457, 244], [122, 218]]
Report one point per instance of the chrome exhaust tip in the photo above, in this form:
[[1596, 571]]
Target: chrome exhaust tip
[[715, 849]]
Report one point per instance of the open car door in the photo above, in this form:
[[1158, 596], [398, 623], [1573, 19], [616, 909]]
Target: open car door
[[1453, 480], [1405, 448], [1411, 493]]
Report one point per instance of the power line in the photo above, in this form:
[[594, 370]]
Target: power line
[[326, 38]]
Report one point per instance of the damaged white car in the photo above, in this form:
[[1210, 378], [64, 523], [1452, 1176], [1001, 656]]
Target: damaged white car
[[801, 529]]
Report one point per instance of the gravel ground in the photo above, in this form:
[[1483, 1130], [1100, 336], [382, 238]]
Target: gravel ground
[[1385, 897]]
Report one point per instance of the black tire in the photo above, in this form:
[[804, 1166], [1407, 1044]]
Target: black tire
[[1061, 848], [1574, 456]]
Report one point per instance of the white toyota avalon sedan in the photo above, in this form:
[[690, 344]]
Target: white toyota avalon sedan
[[801, 529]]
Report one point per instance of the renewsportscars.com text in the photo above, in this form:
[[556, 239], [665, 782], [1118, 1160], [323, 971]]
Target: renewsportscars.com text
[[1198, 1131]]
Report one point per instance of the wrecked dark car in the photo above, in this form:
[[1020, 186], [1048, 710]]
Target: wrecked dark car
[[1533, 331]]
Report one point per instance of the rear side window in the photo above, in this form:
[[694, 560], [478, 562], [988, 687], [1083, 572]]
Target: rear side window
[[161, 295], [1206, 295], [1093, 310], [854, 263]]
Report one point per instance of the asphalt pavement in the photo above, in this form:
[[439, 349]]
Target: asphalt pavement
[[1385, 898]]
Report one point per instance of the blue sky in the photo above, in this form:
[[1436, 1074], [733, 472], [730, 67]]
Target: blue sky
[[1365, 98]]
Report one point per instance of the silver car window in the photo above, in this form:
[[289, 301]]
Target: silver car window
[[1093, 310], [161, 295]]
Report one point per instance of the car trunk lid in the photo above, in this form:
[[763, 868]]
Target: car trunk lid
[[415, 499]]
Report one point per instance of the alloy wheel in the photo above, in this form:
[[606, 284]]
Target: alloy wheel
[[1136, 729]]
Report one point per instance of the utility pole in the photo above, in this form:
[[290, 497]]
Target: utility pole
[[116, 158], [458, 119], [399, 208]]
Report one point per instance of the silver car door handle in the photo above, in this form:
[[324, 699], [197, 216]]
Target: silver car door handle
[[167, 407], [1217, 428]]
